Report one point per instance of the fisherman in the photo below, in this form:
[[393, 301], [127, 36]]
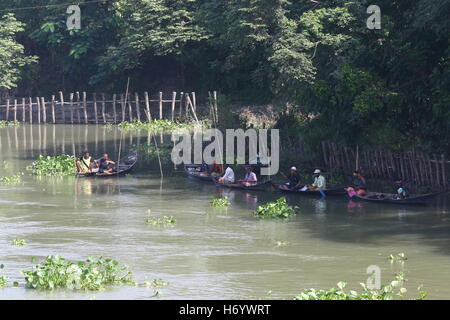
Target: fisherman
[[359, 185], [250, 178], [294, 179], [401, 193], [228, 177], [319, 181], [84, 164], [216, 169], [105, 164]]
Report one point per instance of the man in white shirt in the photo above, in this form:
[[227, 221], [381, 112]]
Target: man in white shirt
[[228, 177]]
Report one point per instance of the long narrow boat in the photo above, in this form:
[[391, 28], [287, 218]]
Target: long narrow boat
[[198, 176], [126, 164], [390, 198], [258, 187], [334, 191]]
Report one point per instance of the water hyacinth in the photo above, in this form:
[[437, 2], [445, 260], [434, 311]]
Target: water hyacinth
[[5, 124], [276, 209], [93, 274], [160, 126], [3, 279], [18, 242], [61, 165], [221, 202], [10, 180]]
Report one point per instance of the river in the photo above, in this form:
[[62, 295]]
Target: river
[[210, 253]]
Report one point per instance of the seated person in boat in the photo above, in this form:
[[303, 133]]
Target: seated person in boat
[[359, 185], [84, 164], [204, 169], [319, 181], [250, 178], [216, 169], [294, 179], [401, 192], [105, 165], [228, 177]]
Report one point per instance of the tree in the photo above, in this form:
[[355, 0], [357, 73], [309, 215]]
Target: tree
[[12, 57]]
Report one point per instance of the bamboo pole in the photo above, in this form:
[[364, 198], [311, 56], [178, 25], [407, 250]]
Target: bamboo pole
[[71, 107], [86, 121], [53, 109], [147, 107], [94, 95], [104, 108], [194, 102], [31, 111], [160, 105], [39, 110], [174, 97], [7, 110], [15, 110], [44, 109], [78, 107], [114, 108], [23, 110], [63, 108], [136, 104], [122, 104]]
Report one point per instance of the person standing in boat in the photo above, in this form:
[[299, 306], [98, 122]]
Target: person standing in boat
[[105, 165], [250, 178], [228, 177], [84, 164]]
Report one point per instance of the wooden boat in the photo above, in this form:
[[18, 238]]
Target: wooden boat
[[126, 164], [379, 197], [333, 191], [197, 176], [258, 187]]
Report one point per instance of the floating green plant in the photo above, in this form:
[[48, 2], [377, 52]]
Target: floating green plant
[[220, 202], [19, 242], [3, 279], [276, 209], [162, 126], [92, 274], [61, 165], [397, 257], [5, 164], [159, 221], [10, 180], [386, 292], [4, 124]]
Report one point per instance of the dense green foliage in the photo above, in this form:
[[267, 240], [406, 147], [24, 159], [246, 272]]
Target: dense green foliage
[[275, 209], [61, 165], [4, 124], [155, 126], [339, 79], [92, 274]]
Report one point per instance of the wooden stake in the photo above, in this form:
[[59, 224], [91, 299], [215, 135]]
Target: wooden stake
[[95, 107], [104, 108], [174, 97], [160, 105], [63, 109], [7, 109], [136, 103], [31, 110], [78, 108], [15, 110], [39, 110], [23, 110], [114, 108], [147, 107], [86, 121], [53, 109], [44, 110], [71, 107]]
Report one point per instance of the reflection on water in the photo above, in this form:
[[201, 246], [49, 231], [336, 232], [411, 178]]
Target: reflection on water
[[209, 252]]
